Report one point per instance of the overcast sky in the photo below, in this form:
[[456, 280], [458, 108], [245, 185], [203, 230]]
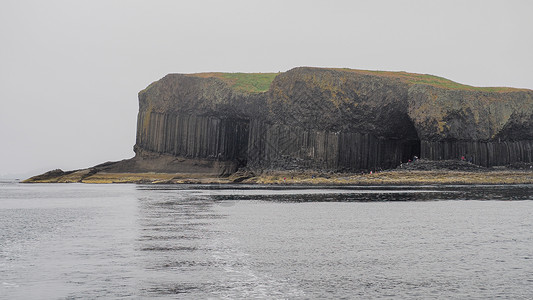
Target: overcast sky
[[70, 70]]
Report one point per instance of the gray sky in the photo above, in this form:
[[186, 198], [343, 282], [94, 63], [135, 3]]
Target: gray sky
[[70, 70]]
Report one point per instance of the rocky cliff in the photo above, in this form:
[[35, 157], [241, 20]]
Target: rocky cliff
[[328, 119]]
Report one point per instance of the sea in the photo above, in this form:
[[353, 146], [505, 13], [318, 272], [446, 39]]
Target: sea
[[127, 241]]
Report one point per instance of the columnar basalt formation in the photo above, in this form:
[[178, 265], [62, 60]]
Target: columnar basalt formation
[[490, 128], [327, 119]]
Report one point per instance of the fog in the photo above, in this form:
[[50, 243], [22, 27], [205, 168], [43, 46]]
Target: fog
[[70, 71]]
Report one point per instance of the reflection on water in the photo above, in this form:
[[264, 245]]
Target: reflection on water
[[189, 241], [351, 193]]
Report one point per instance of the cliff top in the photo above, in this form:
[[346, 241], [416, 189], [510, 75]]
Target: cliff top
[[260, 82], [432, 80], [243, 82]]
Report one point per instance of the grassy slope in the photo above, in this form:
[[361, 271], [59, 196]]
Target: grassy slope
[[243, 82], [413, 78], [260, 82]]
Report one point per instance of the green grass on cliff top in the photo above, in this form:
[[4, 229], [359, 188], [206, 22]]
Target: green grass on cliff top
[[260, 82], [413, 78], [244, 82]]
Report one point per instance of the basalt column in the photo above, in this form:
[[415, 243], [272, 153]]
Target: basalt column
[[484, 153], [276, 146], [488, 128], [193, 136], [279, 146]]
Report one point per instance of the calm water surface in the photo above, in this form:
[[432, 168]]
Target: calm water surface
[[70, 241]]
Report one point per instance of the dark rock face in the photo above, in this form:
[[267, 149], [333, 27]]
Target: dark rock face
[[330, 119], [194, 136], [51, 175], [333, 120], [488, 128]]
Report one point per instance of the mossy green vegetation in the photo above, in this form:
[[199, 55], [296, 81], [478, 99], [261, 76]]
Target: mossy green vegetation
[[260, 82], [243, 82], [440, 82]]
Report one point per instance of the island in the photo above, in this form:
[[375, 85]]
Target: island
[[323, 126]]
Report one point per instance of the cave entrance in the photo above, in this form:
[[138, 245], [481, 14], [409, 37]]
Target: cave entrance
[[410, 149], [235, 141], [411, 142]]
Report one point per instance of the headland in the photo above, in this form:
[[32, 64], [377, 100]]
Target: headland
[[323, 125]]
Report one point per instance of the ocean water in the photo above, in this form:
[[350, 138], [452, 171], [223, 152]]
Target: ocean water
[[80, 241]]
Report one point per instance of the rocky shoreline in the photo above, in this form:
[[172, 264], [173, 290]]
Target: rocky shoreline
[[420, 172]]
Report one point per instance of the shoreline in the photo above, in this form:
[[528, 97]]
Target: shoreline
[[390, 177]]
